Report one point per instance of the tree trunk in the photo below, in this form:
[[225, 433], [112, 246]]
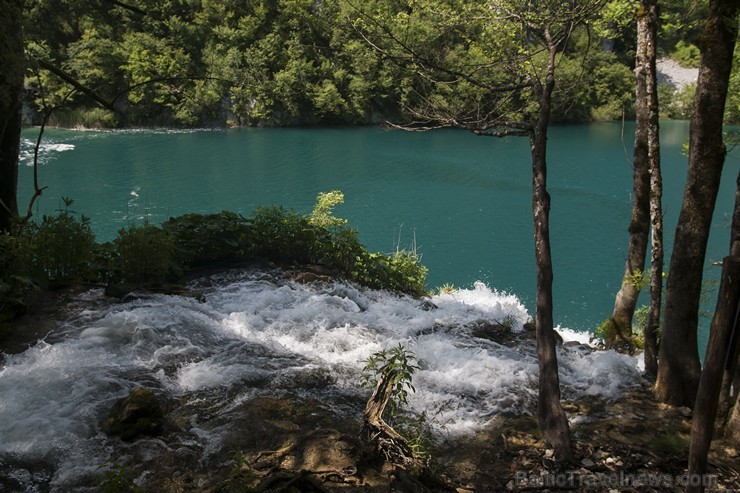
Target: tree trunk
[[679, 368], [731, 376], [12, 62], [724, 323], [647, 29], [387, 441], [552, 419], [732, 430], [619, 331]]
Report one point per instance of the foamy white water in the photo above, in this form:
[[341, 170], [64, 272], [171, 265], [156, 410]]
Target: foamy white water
[[258, 335], [47, 152]]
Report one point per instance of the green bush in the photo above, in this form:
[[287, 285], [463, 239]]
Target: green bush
[[146, 256], [686, 54], [84, 117], [212, 238], [284, 235], [732, 105], [676, 104], [61, 248], [15, 282], [402, 272]]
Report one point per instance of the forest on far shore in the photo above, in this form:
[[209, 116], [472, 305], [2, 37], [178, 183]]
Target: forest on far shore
[[306, 62]]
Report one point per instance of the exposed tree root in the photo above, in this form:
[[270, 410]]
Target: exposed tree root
[[410, 473]]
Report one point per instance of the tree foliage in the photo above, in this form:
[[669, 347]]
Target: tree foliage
[[285, 62]]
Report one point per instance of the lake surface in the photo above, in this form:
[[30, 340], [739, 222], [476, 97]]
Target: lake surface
[[465, 199]]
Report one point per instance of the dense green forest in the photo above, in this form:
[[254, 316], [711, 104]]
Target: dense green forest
[[302, 62]]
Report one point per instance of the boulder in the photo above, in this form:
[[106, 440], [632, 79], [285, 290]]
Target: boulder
[[138, 414]]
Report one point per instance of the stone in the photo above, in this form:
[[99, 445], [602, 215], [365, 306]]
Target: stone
[[138, 414]]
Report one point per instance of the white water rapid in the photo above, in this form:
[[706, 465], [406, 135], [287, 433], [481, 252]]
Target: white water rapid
[[260, 334]]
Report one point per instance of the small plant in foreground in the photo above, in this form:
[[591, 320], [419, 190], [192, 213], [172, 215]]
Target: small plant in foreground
[[446, 288], [397, 364]]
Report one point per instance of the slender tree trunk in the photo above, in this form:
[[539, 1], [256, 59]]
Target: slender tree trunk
[[647, 29], [619, 331], [12, 62], [552, 419], [679, 368], [732, 431], [387, 441], [724, 324], [731, 375]]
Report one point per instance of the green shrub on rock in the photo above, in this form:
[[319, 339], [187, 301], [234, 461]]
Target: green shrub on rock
[[60, 248], [284, 235], [211, 238], [146, 256]]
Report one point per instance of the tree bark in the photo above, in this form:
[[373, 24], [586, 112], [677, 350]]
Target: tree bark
[[647, 36], [679, 368], [12, 61], [387, 441], [724, 323], [619, 331], [731, 375], [552, 419]]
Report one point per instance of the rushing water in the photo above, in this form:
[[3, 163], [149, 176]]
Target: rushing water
[[259, 334], [466, 199]]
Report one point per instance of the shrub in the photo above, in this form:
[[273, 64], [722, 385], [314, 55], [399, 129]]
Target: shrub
[[401, 272], [212, 238], [85, 118], [14, 280], [732, 105], [399, 366], [676, 104], [285, 236], [60, 248], [145, 255], [686, 54], [322, 216]]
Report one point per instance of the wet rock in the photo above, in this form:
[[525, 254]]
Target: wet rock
[[324, 450], [495, 332], [427, 306], [310, 277], [138, 414], [132, 292], [315, 378]]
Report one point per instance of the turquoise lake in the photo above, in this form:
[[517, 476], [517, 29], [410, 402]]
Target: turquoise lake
[[465, 199]]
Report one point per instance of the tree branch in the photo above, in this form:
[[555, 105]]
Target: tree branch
[[164, 79], [415, 57], [76, 84], [126, 6]]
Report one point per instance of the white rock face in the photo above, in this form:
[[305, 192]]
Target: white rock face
[[673, 74]]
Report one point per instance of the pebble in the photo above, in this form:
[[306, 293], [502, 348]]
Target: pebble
[[588, 462]]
